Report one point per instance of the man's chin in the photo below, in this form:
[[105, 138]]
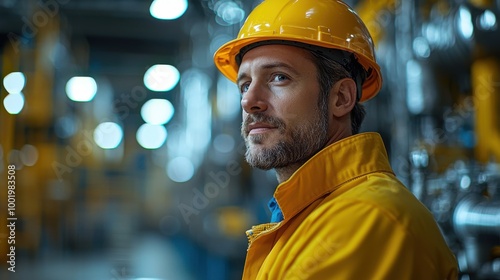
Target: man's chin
[[259, 149], [259, 165], [255, 139], [260, 157]]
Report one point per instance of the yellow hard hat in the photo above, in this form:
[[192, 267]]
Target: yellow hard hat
[[323, 23]]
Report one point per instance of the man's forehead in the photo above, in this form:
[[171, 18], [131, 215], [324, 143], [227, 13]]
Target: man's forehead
[[274, 56]]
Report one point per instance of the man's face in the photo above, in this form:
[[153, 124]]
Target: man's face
[[282, 123]]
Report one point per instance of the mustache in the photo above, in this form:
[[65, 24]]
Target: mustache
[[261, 118]]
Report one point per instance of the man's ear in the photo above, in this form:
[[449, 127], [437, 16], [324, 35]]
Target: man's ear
[[343, 97]]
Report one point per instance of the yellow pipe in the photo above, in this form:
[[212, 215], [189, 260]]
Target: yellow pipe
[[486, 91], [40, 88], [482, 3], [10, 63]]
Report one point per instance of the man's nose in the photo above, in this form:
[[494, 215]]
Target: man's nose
[[254, 100]]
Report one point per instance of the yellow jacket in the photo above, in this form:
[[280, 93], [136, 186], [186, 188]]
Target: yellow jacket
[[348, 217]]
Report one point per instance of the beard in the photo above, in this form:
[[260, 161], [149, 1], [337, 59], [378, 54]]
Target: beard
[[298, 143]]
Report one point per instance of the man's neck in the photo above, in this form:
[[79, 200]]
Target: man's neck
[[283, 173]]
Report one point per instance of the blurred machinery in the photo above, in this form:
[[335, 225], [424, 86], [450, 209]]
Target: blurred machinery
[[445, 143], [466, 203], [437, 114]]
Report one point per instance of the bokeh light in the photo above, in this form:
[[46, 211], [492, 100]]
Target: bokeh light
[[180, 169], [14, 82], [161, 77], [488, 20], [29, 155], [108, 135], [168, 9], [157, 111], [465, 25], [228, 12], [81, 89], [151, 136], [224, 143], [14, 103]]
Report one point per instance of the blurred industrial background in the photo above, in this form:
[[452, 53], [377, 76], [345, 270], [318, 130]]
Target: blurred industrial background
[[126, 147]]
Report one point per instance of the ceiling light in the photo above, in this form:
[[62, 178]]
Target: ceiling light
[[14, 82], [161, 77], [168, 9], [465, 22], [14, 103], [81, 89], [488, 20], [151, 136], [157, 111], [108, 135]]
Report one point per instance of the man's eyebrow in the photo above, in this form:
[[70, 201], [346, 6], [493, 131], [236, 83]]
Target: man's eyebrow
[[241, 77], [278, 65], [269, 66]]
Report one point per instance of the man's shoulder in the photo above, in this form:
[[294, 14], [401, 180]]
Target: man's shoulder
[[379, 194]]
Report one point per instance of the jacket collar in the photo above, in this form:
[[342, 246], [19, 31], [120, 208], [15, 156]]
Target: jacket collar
[[338, 163]]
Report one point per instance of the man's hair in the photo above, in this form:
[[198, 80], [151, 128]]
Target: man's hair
[[329, 72]]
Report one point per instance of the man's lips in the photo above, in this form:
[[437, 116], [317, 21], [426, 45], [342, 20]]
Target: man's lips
[[255, 128]]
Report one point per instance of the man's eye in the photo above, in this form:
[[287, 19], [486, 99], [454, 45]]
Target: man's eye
[[244, 87], [279, 78]]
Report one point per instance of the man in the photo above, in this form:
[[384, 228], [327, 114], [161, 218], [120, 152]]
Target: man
[[339, 212]]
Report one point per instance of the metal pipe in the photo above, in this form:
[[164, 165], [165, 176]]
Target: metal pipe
[[475, 218], [476, 215]]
